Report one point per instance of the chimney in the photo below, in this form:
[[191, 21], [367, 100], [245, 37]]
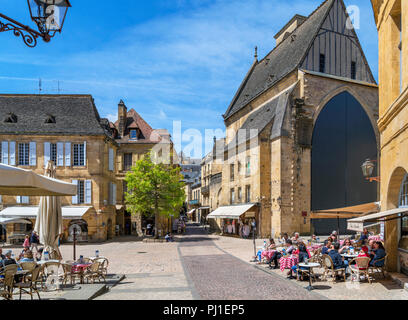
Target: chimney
[[122, 117], [289, 28]]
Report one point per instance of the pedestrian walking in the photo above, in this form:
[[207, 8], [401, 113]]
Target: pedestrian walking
[[26, 243], [34, 241]]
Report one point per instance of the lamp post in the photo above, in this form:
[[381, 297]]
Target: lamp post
[[49, 16], [253, 223], [368, 169]]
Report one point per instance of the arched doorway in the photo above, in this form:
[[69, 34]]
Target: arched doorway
[[343, 138], [81, 228], [403, 240]]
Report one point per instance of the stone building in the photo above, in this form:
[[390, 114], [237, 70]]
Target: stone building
[[66, 129], [300, 126], [135, 138], [211, 178], [392, 22], [191, 174]]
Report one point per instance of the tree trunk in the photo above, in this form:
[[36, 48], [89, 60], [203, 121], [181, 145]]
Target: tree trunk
[[156, 219]]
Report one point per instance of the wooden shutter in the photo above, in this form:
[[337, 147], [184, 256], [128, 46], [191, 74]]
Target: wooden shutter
[[33, 154], [75, 198], [47, 153], [67, 154], [88, 192], [60, 154], [4, 152], [111, 165], [84, 164], [12, 153], [114, 193]]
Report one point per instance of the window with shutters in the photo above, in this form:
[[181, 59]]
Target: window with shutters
[[23, 200], [23, 154], [248, 194], [79, 155], [128, 161], [111, 159], [53, 153], [239, 194], [232, 199]]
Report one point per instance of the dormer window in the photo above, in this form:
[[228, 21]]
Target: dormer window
[[50, 119], [11, 118], [133, 134]]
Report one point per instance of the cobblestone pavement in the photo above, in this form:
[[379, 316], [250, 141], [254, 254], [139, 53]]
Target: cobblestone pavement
[[218, 275]]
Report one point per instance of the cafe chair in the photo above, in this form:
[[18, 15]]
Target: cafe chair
[[373, 270], [329, 269], [103, 268], [93, 272], [28, 266], [29, 283], [67, 274], [360, 266], [8, 283]]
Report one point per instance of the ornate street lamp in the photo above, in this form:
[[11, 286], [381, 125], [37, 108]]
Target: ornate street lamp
[[368, 169], [49, 15]]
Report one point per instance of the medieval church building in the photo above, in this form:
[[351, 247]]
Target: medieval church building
[[313, 102]]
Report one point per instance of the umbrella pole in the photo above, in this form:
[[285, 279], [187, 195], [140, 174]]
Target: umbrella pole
[[74, 244], [338, 226]]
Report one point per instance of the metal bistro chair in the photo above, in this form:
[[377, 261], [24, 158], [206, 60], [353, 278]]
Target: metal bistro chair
[[29, 283], [360, 266], [8, 283], [329, 269]]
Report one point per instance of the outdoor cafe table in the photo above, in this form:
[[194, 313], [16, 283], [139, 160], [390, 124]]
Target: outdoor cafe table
[[309, 266], [288, 262], [349, 256], [80, 269]]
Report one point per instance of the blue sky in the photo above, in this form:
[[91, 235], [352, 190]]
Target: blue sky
[[177, 60]]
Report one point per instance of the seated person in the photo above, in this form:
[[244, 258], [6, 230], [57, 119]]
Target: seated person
[[327, 247], [271, 246], [21, 256], [8, 259], [314, 239], [378, 255], [363, 254], [169, 238], [28, 257], [295, 239], [290, 248], [336, 257], [2, 256], [303, 256], [285, 238], [346, 246]]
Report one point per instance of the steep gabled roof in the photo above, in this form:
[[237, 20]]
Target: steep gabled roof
[[282, 60], [73, 115], [135, 121]]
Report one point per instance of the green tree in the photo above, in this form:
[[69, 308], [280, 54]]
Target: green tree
[[155, 189]]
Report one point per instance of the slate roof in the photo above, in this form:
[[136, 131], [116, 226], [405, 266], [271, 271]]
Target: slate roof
[[74, 115], [281, 61], [272, 111]]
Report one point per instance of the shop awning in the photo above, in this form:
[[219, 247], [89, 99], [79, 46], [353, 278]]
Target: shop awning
[[357, 224], [5, 221], [68, 213], [347, 212], [231, 212]]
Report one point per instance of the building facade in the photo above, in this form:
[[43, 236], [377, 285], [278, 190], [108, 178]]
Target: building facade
[[291, 127], [65, 129], [392, 23], [135, 138], [211, 178]]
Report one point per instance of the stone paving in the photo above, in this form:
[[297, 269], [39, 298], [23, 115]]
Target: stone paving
[[378, 290]]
